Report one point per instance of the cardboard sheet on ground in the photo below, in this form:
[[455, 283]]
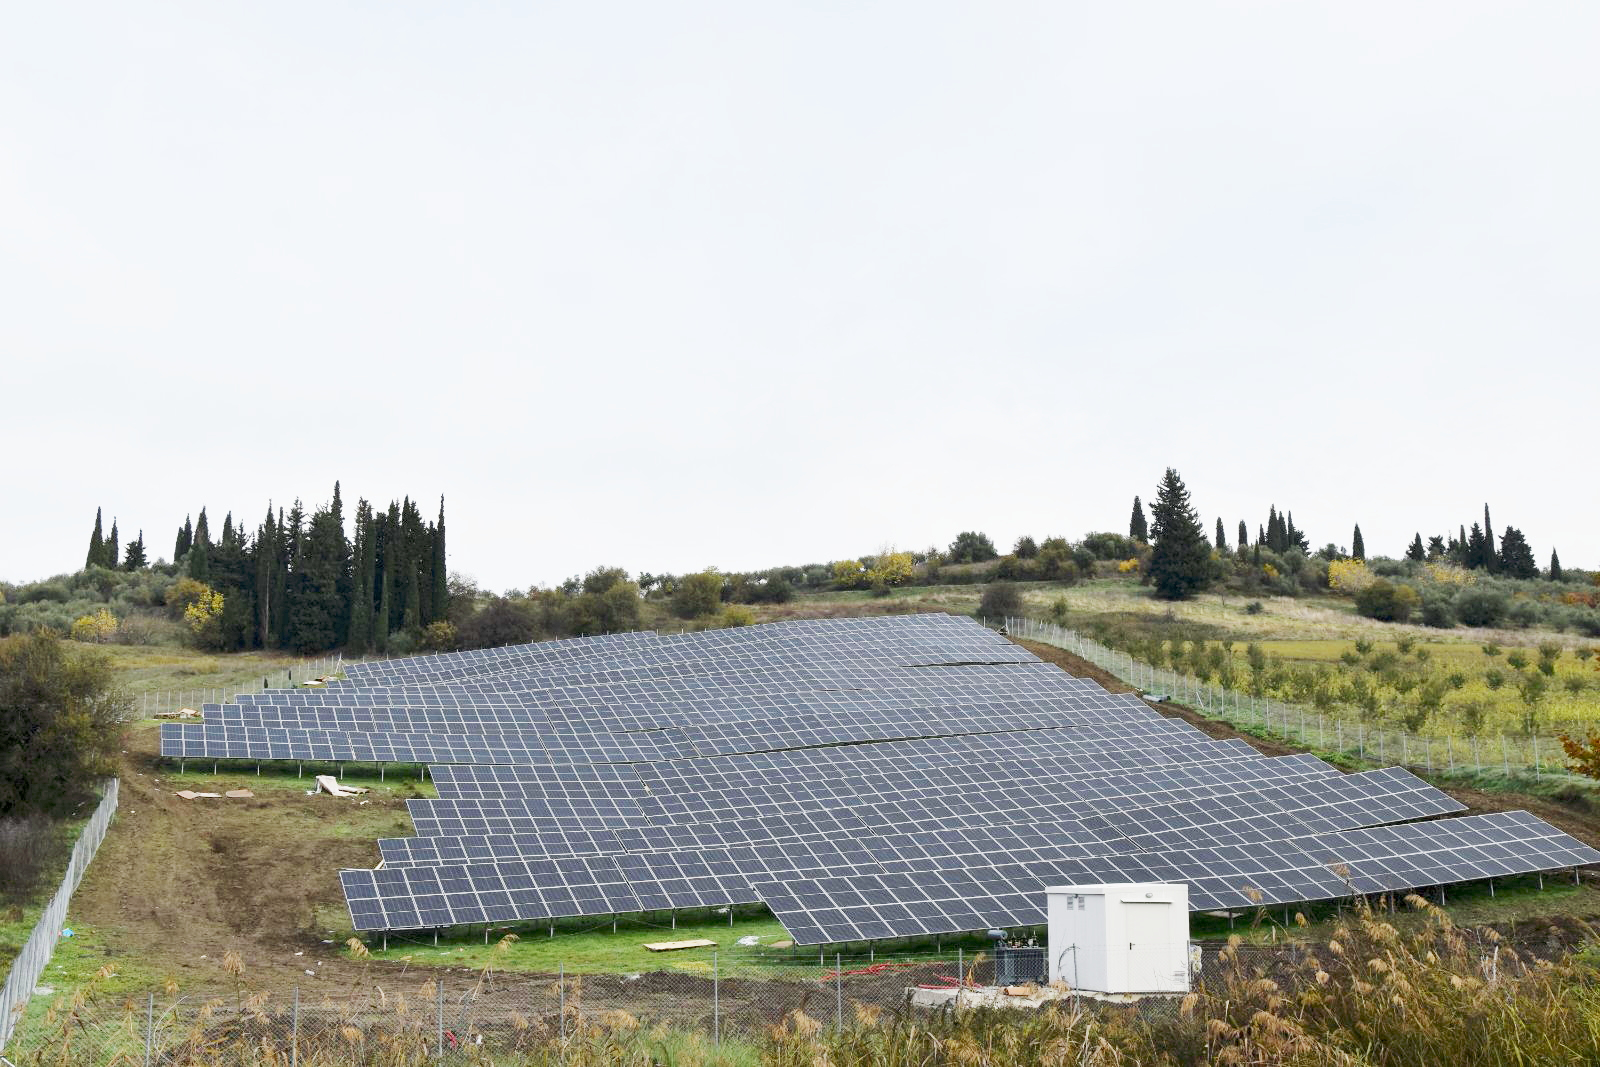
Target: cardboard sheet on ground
[[330, 785], [673, 946], [190, 794]]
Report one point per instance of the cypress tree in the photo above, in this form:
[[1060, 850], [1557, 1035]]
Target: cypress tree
[[441, 575], [1491, 559], [1415, 551], [1358, 547], [1555, 566], [112, 552], [1274, 529], [185, 540], [1180, 564], [136, 559], [1138, 529], [1222, 538], [380, 632], [360, 640], [267, 586], [291, 537], [1244, 535], [413, 617], [1293, 538], [199, 552], [97, 544]]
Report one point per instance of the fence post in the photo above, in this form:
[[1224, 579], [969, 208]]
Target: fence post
[[561, 985], [838, 993], [439, 1022], [961, 975], [149, 1027], [716, 1002], [294, 1031]]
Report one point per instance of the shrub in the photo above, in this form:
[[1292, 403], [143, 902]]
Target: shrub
[[1387, 601], [1494, 678], [1026, 547], [440, 637], [1518, 660], [1110, 546], [500, 622], [1480, 607], [736, 615], [59, 723], [1349, 576], [1254, 608], [1438, 610], [971, 546], [1000, 600], [700, 594], [97, 628]]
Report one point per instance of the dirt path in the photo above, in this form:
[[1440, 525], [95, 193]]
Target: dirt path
[[178, 883]]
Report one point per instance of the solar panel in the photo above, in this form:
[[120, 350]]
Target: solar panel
[[867, 778]]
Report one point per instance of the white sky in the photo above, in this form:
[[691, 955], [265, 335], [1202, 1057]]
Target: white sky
[[665, 285]]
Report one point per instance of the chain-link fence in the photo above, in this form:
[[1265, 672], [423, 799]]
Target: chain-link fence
[[41, 943], [166, 702], [417, 1019]]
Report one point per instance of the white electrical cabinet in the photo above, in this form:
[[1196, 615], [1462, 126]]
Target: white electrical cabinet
[[1120, 938]]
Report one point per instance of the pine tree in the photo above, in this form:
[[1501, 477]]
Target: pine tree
[[97, 544], [112, 552], [1180, 564], [1138, 529], [1477, 552], [185, 540], [1358, 547], [1555, 566], [136, 558], [1222, 537], [317, 606], [1436, 547], [440, 573], [1516, 557], [1416, 551]]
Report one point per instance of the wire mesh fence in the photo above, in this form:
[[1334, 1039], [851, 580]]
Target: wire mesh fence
[[164, 702], [1508, 755], [413, 1018], [41, 943]]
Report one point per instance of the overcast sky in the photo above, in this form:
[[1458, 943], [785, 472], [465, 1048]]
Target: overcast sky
[[669, 285]]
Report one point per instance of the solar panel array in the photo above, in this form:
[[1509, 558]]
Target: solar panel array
[[863, 778]]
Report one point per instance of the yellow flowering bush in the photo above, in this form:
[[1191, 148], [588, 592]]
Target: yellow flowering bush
[[1349, 576], [1449, 574], [891, 568], [1128, 566], [98, 627], [1269, 570], [204, 616]]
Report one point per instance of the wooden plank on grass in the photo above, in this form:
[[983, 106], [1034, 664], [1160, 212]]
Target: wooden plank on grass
[[673, 946]]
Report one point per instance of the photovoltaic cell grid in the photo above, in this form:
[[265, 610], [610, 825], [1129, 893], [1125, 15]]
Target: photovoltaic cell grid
[[865, 778]]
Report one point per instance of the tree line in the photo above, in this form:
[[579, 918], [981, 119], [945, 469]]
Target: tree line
[[298, 581]]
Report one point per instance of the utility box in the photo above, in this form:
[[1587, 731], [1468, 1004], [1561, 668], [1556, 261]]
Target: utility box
[[1120, 938]]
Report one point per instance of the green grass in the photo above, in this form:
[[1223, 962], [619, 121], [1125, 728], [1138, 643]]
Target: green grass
[[589, 947], [1513, 902]]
